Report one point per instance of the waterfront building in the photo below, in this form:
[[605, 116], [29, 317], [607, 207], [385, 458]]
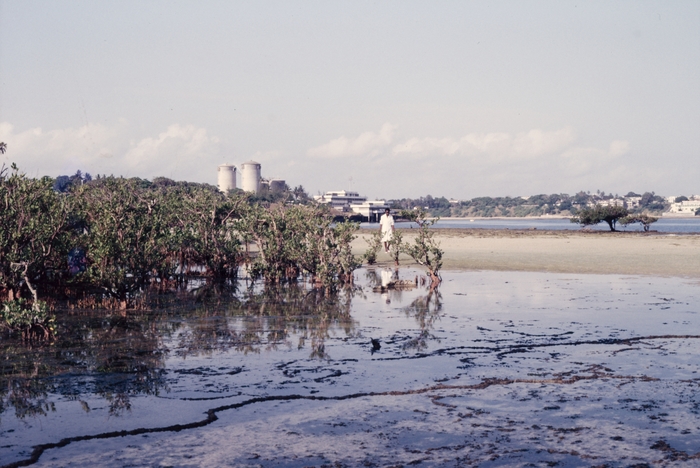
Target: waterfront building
[[370, 209], [686, 207], [340, 199]]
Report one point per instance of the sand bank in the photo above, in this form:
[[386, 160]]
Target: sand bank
[[562, 251]]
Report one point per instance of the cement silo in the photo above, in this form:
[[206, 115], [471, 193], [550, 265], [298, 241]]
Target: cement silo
[[250, 176], [227, 177], [277, 185]]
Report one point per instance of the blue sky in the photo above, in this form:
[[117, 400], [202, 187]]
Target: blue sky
[[390, 98]]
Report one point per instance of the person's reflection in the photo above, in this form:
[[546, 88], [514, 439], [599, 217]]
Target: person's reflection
[[389, 278]]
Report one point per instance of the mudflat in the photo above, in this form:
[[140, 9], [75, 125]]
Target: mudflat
[[598, 252]]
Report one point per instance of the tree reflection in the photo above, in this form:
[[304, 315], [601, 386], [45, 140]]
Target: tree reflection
[[268, 319], [21, 389], [118, 356], [114, 357], [426, 310]]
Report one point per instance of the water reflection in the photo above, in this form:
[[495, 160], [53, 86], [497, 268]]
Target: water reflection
[[426, 311], [20, 388], [268, 319], [425, 308], [111, 356], [118, 356]]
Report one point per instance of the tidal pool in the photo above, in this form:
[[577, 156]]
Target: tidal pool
[[490, 369]]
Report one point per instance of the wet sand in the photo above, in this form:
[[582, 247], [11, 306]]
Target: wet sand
[[562, 251]]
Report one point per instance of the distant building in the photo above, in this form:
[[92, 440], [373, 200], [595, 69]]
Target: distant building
[[250, 176], [227, 177], [687, 207], [340, 200], [611, 202], [277, 185], [371, 209], [633, 202]]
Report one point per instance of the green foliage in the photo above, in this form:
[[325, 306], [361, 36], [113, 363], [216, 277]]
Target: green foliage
[[65, 183], [594, 215], [18, 316], [300, 196], [536, 205], [436, 206], [297, 239], [132, 233], [345, 263], [32, 222], [396, 246], [652, 202], [682, 198], [642, 219], [425, 250], [374, 243], [126, 234], [202, 229]]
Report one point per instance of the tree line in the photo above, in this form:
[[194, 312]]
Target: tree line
[[537, 205]]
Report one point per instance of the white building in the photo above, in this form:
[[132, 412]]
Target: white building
[[611, 202], [633, 202], [371, 209], [250, 176], [688, 207], [227, 177], [340, 200]]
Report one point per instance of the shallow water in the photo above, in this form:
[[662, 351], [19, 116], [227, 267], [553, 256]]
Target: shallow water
[[493, 369]]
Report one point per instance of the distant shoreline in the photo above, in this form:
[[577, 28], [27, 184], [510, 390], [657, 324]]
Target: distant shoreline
[[506, 217], [530, 218], [550, 217]]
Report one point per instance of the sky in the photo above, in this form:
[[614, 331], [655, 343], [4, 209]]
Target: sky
[[388, 98]]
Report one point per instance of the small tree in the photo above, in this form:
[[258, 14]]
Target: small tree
[[594, 215], [426, 250], [396, 247], [642, 219], [374, 243]]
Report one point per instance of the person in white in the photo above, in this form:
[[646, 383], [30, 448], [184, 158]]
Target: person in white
[[386, 227]]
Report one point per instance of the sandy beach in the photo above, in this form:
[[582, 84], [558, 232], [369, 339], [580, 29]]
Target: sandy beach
[[562, 251]]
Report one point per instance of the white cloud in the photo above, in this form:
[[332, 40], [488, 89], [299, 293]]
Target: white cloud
[[35, 149], [533, 143], [618, 148], [179, 147], [527, 162], [177, 152], [367, 144]]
